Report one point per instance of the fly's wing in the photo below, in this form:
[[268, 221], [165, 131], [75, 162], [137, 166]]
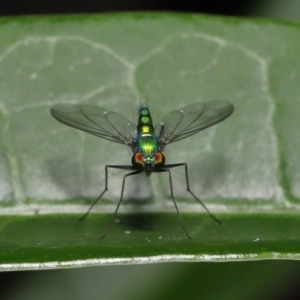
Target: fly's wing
[[191, 119], [97, 121]]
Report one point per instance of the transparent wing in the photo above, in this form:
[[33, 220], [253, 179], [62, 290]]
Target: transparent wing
[[191, 119], [97, 121]]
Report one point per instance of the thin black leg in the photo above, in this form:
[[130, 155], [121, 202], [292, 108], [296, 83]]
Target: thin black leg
[[188, 188], [106, 186], [121, 198], [172, 196]]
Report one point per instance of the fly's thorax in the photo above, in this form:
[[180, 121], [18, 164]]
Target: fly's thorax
[[148, 157]]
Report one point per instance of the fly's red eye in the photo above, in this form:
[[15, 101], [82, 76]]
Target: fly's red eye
[[158, 158], [138, 158], [159, 161], [137, 161]]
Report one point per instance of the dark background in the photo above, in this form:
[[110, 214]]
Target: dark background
[[285, 285], [229, 7]]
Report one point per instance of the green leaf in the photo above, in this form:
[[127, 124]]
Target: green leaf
[[245, 169]]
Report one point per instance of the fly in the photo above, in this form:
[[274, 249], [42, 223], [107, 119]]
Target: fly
[[146, 141]]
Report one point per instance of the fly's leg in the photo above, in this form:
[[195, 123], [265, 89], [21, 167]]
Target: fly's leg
[[120, 201], [188, 189], [172, 196], [106, 186]]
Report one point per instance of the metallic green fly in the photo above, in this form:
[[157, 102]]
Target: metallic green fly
[[146, 141]]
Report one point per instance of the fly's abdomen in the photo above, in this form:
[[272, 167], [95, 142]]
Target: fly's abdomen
[[147, 143], [145, 124]]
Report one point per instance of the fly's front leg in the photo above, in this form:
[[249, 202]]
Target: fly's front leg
[[172, 196], [106, 186], [120, 201]]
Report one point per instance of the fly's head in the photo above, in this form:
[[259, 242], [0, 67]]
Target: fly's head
[[148, 163], [148, 156]]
